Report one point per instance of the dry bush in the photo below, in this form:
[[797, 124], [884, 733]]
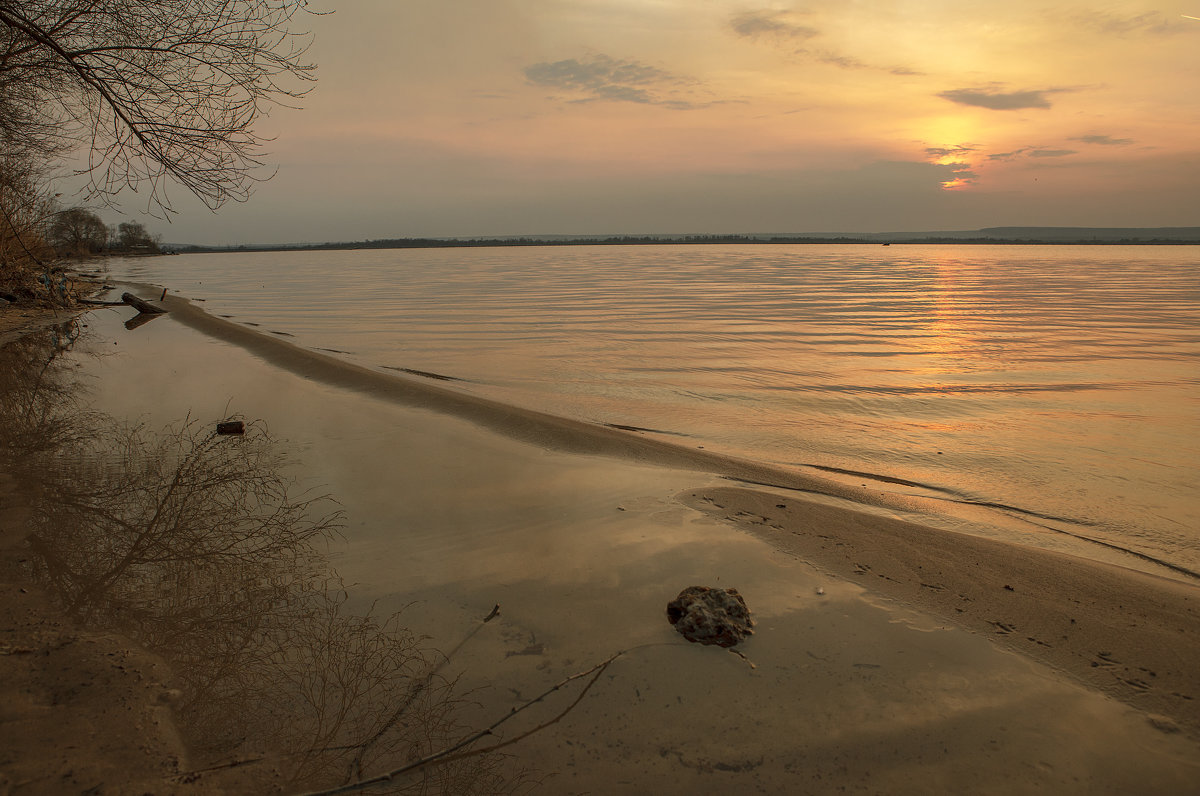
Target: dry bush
[[24, 210]]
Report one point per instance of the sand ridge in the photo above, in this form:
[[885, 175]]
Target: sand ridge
[[526, 425], [1133, 635]]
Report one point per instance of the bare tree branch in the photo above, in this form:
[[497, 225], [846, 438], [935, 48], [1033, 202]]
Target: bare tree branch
[[157, 90], [454, 752]]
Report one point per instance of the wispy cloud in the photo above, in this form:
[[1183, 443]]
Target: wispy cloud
[[1031, 152], [997, 100], [600, 77], [1150, 23], [787, 29], [766, 23], [961, 150], [850, 62], [1103, 140], [1004, 156]]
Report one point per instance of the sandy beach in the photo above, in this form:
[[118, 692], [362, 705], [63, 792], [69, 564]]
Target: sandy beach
[[598, 398], [890, 656]]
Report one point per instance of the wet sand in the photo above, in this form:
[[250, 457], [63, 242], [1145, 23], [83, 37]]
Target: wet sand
[[79, 709], [18, 321], [1126, 633], [882, 654]]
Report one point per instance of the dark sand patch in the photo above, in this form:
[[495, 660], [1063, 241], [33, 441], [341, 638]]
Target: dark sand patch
[[644, 430], [425, 374]]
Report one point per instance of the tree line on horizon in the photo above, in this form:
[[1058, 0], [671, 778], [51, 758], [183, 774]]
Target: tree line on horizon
[[677, 240]]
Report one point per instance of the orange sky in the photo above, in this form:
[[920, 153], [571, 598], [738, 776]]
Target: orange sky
[[488, 117]]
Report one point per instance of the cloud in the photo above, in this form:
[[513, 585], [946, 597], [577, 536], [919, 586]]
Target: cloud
[[598, 72], [1152, 23], [850, 62], [1103, 140], [770, 24], [947, 152], [601, 77], [958, 161], [1000, 100], [781, 29], [1032, 152], [1005, 156]]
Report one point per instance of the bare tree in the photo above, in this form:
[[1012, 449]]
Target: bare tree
[[131, 237], [77, 231], [155, 89]]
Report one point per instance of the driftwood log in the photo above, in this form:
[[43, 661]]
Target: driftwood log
[[141, 305]]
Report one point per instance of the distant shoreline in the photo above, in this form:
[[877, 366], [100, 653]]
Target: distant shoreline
[[685, 240]]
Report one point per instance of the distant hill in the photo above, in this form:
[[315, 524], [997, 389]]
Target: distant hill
[[1030, 235], [1024, 235], [1076, 234]]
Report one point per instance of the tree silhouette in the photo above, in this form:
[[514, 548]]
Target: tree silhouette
[[78, 231]]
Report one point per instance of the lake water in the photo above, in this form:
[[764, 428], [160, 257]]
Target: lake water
[[1056, 385]]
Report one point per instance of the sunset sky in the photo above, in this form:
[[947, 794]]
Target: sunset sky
[[496, 117]]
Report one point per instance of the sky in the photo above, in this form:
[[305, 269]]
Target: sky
[[513, 117]]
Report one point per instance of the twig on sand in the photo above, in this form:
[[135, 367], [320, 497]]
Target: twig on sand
[[453, 752], [363, 747], [195, 772], [416, 691]]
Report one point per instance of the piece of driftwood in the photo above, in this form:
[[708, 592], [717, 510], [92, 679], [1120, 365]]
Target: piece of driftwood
[[140, 305]]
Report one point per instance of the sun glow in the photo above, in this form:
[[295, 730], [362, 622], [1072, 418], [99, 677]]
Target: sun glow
[[956, 184], [949, 141], [959, 159]]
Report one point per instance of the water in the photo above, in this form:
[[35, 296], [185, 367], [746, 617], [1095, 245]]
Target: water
[[1056, 384]]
